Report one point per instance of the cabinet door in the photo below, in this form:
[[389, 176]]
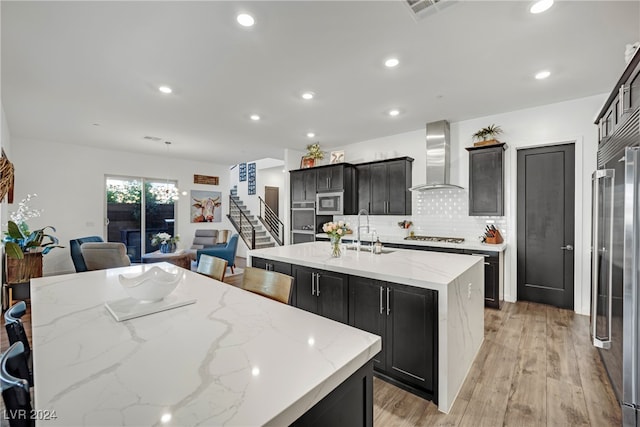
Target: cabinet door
[[379, 188], [333, 295], [259, 263], [305, 289], [330, 178], [486, 182], [411, 344], [297, 186], [367, 310], [398, 189], [491, 283], [309, 178], [364, 187], [323, 179]]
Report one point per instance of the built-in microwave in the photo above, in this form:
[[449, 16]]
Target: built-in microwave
[[330, 203]]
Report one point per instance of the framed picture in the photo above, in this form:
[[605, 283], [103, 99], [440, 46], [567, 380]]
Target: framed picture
[[307, 162], [206, 206], [242, 172], [251, 183], [337, 157]]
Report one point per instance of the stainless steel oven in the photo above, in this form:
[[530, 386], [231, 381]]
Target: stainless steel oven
[[330, 203]]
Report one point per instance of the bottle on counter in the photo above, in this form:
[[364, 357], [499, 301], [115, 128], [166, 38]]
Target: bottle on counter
[[377, 248]]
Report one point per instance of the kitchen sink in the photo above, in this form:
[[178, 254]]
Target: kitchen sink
[[367, 249]]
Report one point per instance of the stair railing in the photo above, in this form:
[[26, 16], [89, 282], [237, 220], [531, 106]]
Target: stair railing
[[271, 222], [243, 221]]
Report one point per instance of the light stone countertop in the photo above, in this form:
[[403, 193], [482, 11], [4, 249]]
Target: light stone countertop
[[232, 358], [458, 279]]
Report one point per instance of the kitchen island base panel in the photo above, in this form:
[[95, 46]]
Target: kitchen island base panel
[[350, 404]]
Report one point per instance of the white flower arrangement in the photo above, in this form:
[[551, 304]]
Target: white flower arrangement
[[164, 238]]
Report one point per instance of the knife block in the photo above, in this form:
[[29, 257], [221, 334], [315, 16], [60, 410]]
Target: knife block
[[495, 239]]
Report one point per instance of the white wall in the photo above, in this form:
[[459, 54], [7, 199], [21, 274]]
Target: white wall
[[70, 183], [570, 121]]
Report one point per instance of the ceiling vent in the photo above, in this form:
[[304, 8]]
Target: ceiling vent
[[422, 8]]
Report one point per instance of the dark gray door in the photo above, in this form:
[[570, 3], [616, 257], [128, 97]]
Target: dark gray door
[[272, 198], [546, 225]]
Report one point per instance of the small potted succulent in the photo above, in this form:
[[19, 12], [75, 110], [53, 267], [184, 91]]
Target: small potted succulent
[[487, 135]]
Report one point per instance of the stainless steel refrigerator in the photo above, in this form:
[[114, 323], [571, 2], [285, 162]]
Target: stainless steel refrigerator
[[615, 264]]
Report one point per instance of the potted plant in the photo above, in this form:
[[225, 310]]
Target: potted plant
[[313, 153], [487, 135], [23, 248]]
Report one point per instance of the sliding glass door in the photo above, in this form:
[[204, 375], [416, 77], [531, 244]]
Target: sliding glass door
[[136, 209]]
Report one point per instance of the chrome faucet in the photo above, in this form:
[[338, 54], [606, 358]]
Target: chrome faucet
[[360, 212]]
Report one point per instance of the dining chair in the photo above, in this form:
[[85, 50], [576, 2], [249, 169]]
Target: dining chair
[[213, 267], [227, 252], [16, 332], [76, 253], [102, 255], [15, 387], [270, 284]]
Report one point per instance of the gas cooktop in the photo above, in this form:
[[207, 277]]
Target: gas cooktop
[[435, 239]]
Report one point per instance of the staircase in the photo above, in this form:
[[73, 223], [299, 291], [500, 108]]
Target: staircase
[[245, 223]]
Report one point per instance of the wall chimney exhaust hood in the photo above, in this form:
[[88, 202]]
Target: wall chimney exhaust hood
[[437, 158]]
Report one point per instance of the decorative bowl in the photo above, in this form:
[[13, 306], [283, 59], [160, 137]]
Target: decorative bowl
[[152, 285]]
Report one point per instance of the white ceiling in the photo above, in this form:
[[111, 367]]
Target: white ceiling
[[67, 66]]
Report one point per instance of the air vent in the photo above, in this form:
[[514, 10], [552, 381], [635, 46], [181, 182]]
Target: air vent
[[422, 8], [153, 138]]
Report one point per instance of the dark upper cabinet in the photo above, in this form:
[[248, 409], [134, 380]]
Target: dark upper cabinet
[[385, 187], [303, 185], [406, 320], [623, 101], [321, 292], [331, 178], [486, 180]]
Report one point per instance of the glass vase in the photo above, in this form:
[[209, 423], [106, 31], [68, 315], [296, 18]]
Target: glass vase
[[165, 248], [335, 247]]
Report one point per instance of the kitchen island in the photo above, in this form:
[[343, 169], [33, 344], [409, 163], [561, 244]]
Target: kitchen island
[[452, 284], [230, 358]]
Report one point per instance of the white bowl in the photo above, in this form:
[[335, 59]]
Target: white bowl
[[152, 285]]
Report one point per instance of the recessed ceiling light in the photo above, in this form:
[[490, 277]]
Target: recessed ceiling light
[[245, 20], [394, 112], [543, 75], [165, 89], [310, 134], [254, 117], [391, 62], [540, 6], [308, 95]]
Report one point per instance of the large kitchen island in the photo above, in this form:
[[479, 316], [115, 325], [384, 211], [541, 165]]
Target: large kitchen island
[[428, 307]]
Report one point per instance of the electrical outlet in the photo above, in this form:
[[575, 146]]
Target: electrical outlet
[[469, 292]]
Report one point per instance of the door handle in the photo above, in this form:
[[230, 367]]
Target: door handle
[[313, 283], [317, 284], [388, 308], [381, 292], [567, 248]]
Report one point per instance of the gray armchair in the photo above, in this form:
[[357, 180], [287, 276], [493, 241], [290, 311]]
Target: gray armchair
[[103, 255]]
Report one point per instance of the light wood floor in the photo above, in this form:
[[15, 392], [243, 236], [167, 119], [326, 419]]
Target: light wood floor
[[536, 367]]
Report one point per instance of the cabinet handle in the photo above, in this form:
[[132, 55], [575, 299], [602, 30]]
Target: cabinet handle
[[317, 284], [388, 307], [381, 292], [484, 255], [313, 283], [487, 263]]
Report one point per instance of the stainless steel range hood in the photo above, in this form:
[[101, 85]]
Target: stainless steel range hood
[[437, 158]]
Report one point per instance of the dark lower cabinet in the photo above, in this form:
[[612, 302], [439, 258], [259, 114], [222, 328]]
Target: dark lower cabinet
[[492, 294], [321, 292], [350, 404], [406, 319], [269, 265]]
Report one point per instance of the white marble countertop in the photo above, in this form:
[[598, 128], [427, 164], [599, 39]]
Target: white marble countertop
[[429, 270], [468, 244], [232, 358]]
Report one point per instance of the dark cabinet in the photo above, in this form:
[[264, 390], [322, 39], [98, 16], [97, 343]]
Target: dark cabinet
[[331, 178], [486, 180], [321, 292], [406, 319], [388, 189], [303, 185], [492, 285], [269, 265], [364, 187]]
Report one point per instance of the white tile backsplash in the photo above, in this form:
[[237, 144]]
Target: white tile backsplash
[[442, 213]]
